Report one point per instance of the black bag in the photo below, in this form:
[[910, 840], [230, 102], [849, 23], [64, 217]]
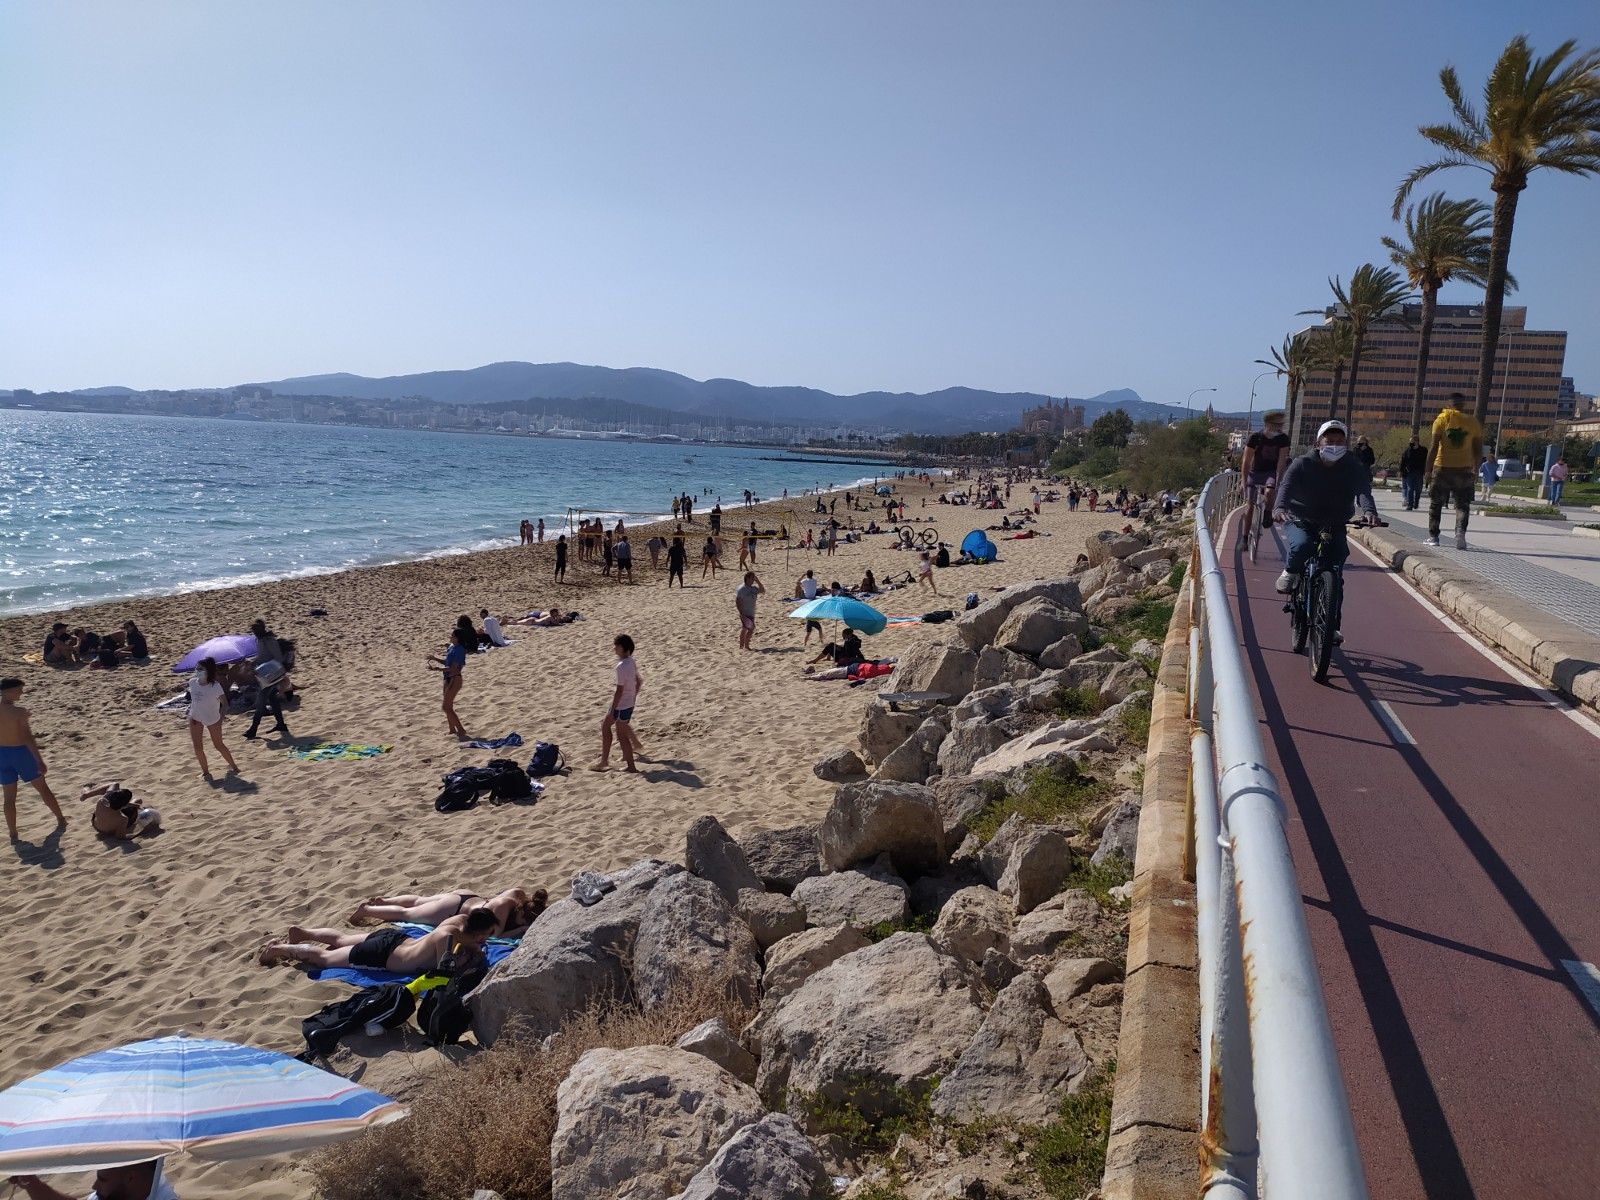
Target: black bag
[[938, 616], [546, 760], [389, 1004], [443, 1015], [462, 788], [510, 781]]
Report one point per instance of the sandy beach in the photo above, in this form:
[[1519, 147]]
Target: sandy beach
[[110, 942]]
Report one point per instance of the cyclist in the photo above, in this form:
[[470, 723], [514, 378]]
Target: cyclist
[[1266, 454], [1319, 492]]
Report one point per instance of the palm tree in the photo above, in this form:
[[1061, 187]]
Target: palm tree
[[1374, 293], [1537, 112], [1444, 240], [1333, 348], [1293, 361]]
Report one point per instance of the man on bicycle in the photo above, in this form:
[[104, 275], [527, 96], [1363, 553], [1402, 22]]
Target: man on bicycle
[[1266, 454], [1319, 491]]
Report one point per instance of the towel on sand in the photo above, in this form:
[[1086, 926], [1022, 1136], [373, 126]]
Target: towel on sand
[[338, 752], [499, 743], [359, 977]]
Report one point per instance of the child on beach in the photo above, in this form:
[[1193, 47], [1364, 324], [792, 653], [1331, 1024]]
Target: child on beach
[[208, 701], [620, 713], [452, 665], [20, 760]]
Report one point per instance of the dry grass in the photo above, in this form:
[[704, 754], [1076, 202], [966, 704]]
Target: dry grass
[[488, 1123]]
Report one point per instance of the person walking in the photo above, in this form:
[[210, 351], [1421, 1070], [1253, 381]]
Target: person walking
[[541, 531], [618, 720], [925, 574], [677, 557], [1455, 451], [1557, 483], [1413, 463], [710, 558], [452, 665], [270, 674], [607, 552], [1489, 472], [624, 553], [745, 601], [747, 548], [208, 704], [561, 558], [806, 588], [20, 760]]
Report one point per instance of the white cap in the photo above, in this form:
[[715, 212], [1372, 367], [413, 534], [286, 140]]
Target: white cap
[[1327, 425]]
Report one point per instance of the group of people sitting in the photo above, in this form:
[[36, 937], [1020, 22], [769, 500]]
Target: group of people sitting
[[65, 647], [493, 629]]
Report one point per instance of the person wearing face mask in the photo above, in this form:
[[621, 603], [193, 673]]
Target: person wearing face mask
[[1319, 491]]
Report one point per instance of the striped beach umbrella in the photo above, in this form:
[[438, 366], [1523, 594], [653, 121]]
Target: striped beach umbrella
[[215, 1100]]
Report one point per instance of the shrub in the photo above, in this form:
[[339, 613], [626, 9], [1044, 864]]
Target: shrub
[[1079, 702], [866, 1134], [1049, 795], [1539, 512], [1175, 576], [916, 923], [1099, 878], [1134, 720], [487, 1123], [1070, 1152]]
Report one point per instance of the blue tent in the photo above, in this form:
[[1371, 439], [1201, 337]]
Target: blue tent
[[978, 545]]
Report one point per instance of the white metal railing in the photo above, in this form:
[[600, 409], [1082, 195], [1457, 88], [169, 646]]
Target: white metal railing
[[1276, 1119]]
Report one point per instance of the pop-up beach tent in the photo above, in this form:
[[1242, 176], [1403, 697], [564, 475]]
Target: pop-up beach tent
[[978, 545]]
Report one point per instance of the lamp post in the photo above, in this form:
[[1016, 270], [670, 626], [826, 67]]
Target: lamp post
[[1193, 394], [1250, 416]]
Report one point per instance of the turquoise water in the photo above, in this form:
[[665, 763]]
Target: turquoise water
[[100, 507]]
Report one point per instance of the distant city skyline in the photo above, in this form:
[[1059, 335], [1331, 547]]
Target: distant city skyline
[[1062, 198]]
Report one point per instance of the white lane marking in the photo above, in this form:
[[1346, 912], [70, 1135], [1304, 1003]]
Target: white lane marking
[[1392, 723], [1587, 976], [1558, 702]]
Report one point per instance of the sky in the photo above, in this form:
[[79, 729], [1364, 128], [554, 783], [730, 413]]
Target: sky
[[1061, 197]]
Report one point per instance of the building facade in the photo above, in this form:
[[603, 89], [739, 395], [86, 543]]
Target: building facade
[[1051, 417], [1524, 401]]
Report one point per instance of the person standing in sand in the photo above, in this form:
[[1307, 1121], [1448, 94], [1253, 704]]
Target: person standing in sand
[[677, 558], [453, 665], [619, 716], [208, 702], [745, 601], [925, 574], [541, 531], [624, 554], [561, 558], [20, 760]]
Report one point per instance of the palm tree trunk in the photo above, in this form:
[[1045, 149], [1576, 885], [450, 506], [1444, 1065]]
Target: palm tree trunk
[[1290, 395], [1333, 403], [1430, 300], [1355, 369], [1494, 293]]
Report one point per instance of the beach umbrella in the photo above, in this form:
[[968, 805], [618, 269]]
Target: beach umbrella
[[215, 1100], [978, 545], [842, 608], [230, 647]]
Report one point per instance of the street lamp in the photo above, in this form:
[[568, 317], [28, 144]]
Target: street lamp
[[1193, 394], [1249, 416]]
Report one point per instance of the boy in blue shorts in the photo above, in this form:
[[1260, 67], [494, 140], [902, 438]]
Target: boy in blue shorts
[[20, 760]]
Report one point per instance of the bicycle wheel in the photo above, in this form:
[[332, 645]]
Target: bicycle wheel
[[1254, 540], [1324, 621], [1297, 618], [929, 538]]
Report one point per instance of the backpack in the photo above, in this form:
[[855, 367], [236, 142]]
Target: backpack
[[510, 781], [388, 1005], [547, 760], [462, 788], [443, 1015]]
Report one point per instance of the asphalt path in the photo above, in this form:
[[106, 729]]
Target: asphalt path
[[1443, 824]]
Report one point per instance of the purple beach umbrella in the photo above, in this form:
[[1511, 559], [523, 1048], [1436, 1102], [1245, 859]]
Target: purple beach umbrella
[[230, 647]]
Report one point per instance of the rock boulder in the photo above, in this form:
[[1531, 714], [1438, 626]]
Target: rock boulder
[[972, 922], [688, 935], [914, 759], [977, 627], [930, 666], [1121, 834], [714, 1040], [997, 666], [897, 819], [882, 729], [771, 916], [840, 766], [716, 857], [1031, 627], [863, 896], [797, 958], [781, 858], [769, 1160]]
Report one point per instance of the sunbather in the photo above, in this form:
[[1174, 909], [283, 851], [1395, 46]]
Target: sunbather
[[388, 949], [514, 909], [554, 617]]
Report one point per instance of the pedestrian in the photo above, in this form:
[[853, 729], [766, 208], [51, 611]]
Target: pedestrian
[[716, 521], [1456, 449], [619, 714], [270, 674], [806, 588], [677, 556], [624, 553], [1489, 472], [607, 552], [561, 558], [541, 531], [925, 575], [677, 504], [1557, 483], [1413, 465], [710, 558], [745, 601], [20, 760], [747, 549], [655, 545], [208, 705], [452, 665]]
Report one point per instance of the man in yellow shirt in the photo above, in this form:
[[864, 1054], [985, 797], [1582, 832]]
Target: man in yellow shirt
[[1453, 457]]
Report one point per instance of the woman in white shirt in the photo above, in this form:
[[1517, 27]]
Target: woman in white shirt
[[207, 700]]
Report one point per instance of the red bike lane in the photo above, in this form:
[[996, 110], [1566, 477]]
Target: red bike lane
[[1442, 819]]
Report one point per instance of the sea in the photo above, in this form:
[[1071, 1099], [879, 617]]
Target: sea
[[99, 507]]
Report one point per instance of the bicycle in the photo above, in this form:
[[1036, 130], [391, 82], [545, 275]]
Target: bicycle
[[1316, 605], [1257, 516], [915, 539]]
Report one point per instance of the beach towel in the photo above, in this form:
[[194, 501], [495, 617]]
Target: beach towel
[[360, 977], [905, 620], [338, 752], [499, 743]]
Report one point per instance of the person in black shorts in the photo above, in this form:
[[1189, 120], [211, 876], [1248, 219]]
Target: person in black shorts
[[561, 558], [1266, 454], [676, 557], [386, 949]]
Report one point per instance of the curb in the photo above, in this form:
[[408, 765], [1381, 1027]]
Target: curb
[[1154, 1150], [1565, 657], [1586, 531]]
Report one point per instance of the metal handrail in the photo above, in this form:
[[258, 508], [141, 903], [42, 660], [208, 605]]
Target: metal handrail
[[1276, 1116]]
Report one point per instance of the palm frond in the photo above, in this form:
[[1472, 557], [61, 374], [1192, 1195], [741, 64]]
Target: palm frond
[[1464, 112]]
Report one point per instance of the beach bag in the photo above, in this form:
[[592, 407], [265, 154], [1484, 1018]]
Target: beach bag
[[938, 616], [510, 781], [388, 1005], [443, 1015], [462, 788], [546, 760]]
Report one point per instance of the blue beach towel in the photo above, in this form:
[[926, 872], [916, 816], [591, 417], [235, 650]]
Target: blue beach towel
[[500, 743], [359, 977]]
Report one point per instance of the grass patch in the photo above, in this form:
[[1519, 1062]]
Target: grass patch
[[1099, 879], [1074, 702], [1537, 512], [1148, 619], [1070, 1152], [856, 1119], [1175, 576], [1056, 794], [1134, 719], [1574, 492], [917, 923]]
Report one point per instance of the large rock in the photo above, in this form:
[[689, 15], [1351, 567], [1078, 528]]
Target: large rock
[[869, 819], [770, 1160], [840, 766], [969, 741], [1108, 544], [781, 858], [870, 1030], [637, 1124], [865, 896], [997, 666], [714, 856], [1121, 834], [961, 801], [1072, 977], [796, 959], [1020, 1065], [771, 916], [1140, 559], [1030, 628], [1054, 923], [929, 666], [714, 1040], [1036, 747], [688, 935], [977, 628], [1058, 654], [571, 958], [996, 852], [882, 729], [1038, 864], [972, 922], [914, 759], [1123, 680]]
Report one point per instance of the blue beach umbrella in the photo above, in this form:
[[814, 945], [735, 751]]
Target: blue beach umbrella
[[842, 608], [216, 1100], [978, 545]]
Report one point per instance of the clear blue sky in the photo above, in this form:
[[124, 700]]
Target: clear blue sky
[[1058, 197]]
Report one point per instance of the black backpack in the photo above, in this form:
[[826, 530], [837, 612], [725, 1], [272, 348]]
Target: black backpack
[[443, 1015], [510, 781], [546, 760], [462, 788], [389, 1004]]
